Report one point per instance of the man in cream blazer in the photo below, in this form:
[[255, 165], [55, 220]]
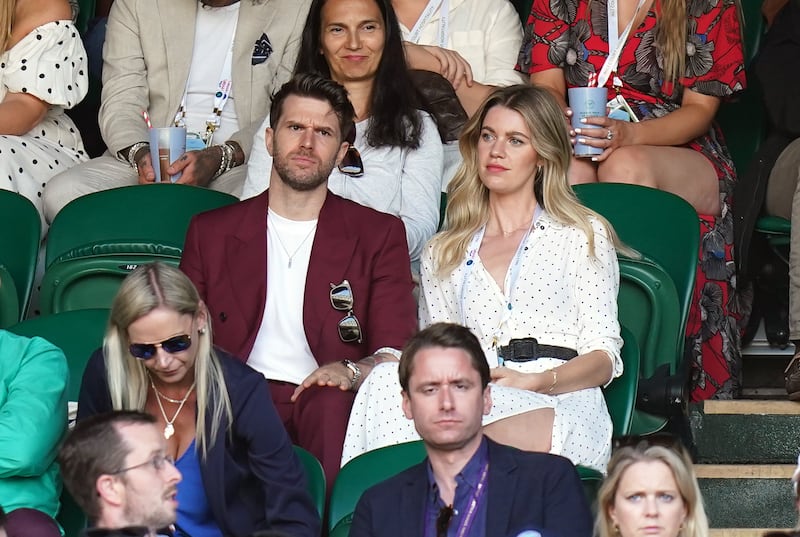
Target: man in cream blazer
[[154, 55]]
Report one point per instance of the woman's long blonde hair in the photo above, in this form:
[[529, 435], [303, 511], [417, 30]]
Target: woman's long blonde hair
[[7, 8], [468, 197], [672, 33], [696, 523], [146, 288]]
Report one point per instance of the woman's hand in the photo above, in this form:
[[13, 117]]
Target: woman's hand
[[503, 376], [605, 133]]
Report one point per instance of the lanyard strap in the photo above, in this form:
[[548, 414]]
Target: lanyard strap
[[444, 21], [469, 518], [513, 271], [221, 96], [616, 41]]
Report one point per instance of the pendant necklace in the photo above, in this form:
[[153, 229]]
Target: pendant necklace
[[169, 430], [291, 256]]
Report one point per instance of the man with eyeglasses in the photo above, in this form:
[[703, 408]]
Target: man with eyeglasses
[[309, 288], [468, 486], [116, 468]]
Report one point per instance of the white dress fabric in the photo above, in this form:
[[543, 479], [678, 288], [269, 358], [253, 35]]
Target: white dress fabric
[[402, 182], [48, 63], [561, 296]]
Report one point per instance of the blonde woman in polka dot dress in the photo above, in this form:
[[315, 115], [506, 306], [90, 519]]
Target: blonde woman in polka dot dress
[[520, 257], [42, 72]]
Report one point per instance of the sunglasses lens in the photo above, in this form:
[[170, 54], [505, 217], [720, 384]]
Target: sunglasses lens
[[142, 351], [351, 163], [145, 351], [349, 329], [177, 344], [342, 298]]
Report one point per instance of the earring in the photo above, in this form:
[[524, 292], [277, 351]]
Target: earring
[[616, 529], [201, 331]]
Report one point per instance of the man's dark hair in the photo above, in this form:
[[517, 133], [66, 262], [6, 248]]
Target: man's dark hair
[[395, 120], [94, 448], [448, 336], [315, 87]]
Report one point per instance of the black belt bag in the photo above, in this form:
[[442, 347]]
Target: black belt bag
[[528, 349]]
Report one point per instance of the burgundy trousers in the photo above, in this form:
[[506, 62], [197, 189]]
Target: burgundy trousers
[[316, 422], [26, 522]]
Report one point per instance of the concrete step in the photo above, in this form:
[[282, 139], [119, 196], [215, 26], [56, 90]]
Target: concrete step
[[742, 532], [748, 496], [746, 431]]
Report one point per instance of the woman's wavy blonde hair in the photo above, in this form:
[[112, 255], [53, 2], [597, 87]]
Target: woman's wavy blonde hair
[[671, 34], [146, 288], [7, 8], [468, 198], [696, 523]]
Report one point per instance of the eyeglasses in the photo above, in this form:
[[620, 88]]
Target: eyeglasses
[[342, 300], [443, 520], [352, 164], [158, 462], [175, 344]]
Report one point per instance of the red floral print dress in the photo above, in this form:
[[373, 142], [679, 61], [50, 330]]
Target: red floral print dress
[[565, 34]]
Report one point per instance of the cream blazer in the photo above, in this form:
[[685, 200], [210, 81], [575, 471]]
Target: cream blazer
[[148, 51]]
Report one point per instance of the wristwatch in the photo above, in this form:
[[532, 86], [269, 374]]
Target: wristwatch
[[352, 366]]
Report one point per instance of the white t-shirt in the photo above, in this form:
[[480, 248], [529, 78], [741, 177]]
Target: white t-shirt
[[281, 350], [214, 31]]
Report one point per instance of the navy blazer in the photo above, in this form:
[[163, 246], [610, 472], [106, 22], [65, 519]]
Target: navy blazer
[[252, 478], [526, 491]]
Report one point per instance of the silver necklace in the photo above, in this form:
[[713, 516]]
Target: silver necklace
[[169, 430], [291, 256]]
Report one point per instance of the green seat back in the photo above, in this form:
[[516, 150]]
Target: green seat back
[[86, 13], [315, 478], [665, 230], [620, 395], [19, 244], [77, 333], [523, 8], [743, 120], [96, 240], [9, 300], [70, 516]]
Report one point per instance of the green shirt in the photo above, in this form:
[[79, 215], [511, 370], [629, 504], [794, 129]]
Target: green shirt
[[33, 420]]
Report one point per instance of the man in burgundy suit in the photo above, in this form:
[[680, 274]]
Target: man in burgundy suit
[[309, 288]]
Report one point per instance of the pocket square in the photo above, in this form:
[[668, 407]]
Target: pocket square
[[262, 50]]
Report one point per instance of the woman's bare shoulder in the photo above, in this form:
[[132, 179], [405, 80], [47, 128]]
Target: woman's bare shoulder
[[30, 14]]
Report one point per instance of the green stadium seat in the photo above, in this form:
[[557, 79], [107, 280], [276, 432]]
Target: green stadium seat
[[315, 478], [96, 240], [19, 249]]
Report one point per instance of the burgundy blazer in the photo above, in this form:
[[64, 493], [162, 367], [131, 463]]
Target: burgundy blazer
[[225, 255]]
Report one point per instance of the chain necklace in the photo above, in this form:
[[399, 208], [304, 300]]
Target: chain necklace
[[169, 430], [291, 256]]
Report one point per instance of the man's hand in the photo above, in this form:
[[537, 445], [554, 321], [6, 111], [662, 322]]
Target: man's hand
[[336, 375], [145, 166], [197, 167]]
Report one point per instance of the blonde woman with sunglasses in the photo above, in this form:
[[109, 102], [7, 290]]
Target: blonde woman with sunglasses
[[240, 472]]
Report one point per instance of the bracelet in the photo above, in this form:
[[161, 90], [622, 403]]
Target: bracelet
[[131, 156], [226, 159], [555, 380], [356, 373]]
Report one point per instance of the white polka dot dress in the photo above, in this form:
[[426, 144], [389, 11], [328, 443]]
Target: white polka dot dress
[[49, 63], [561, 296]]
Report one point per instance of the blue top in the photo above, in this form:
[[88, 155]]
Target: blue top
[[466, 520], [195, 518]]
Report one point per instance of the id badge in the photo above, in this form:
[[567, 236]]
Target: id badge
[[194, 142], [618, 108]]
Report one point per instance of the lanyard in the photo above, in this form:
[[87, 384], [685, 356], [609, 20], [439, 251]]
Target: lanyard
[[469, 518], [444, 21], [220, 97], [615, 40], [513, 272]]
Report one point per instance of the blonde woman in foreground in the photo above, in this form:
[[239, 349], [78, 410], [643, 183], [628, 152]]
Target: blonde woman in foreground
[[534, 274], [650, 490]]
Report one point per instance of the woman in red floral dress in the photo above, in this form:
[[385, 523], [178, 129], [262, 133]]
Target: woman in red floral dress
[[680, 59]]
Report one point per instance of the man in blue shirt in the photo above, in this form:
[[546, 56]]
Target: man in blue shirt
[[469, 486]]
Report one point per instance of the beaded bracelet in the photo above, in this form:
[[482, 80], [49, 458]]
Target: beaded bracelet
[[131, 157]]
